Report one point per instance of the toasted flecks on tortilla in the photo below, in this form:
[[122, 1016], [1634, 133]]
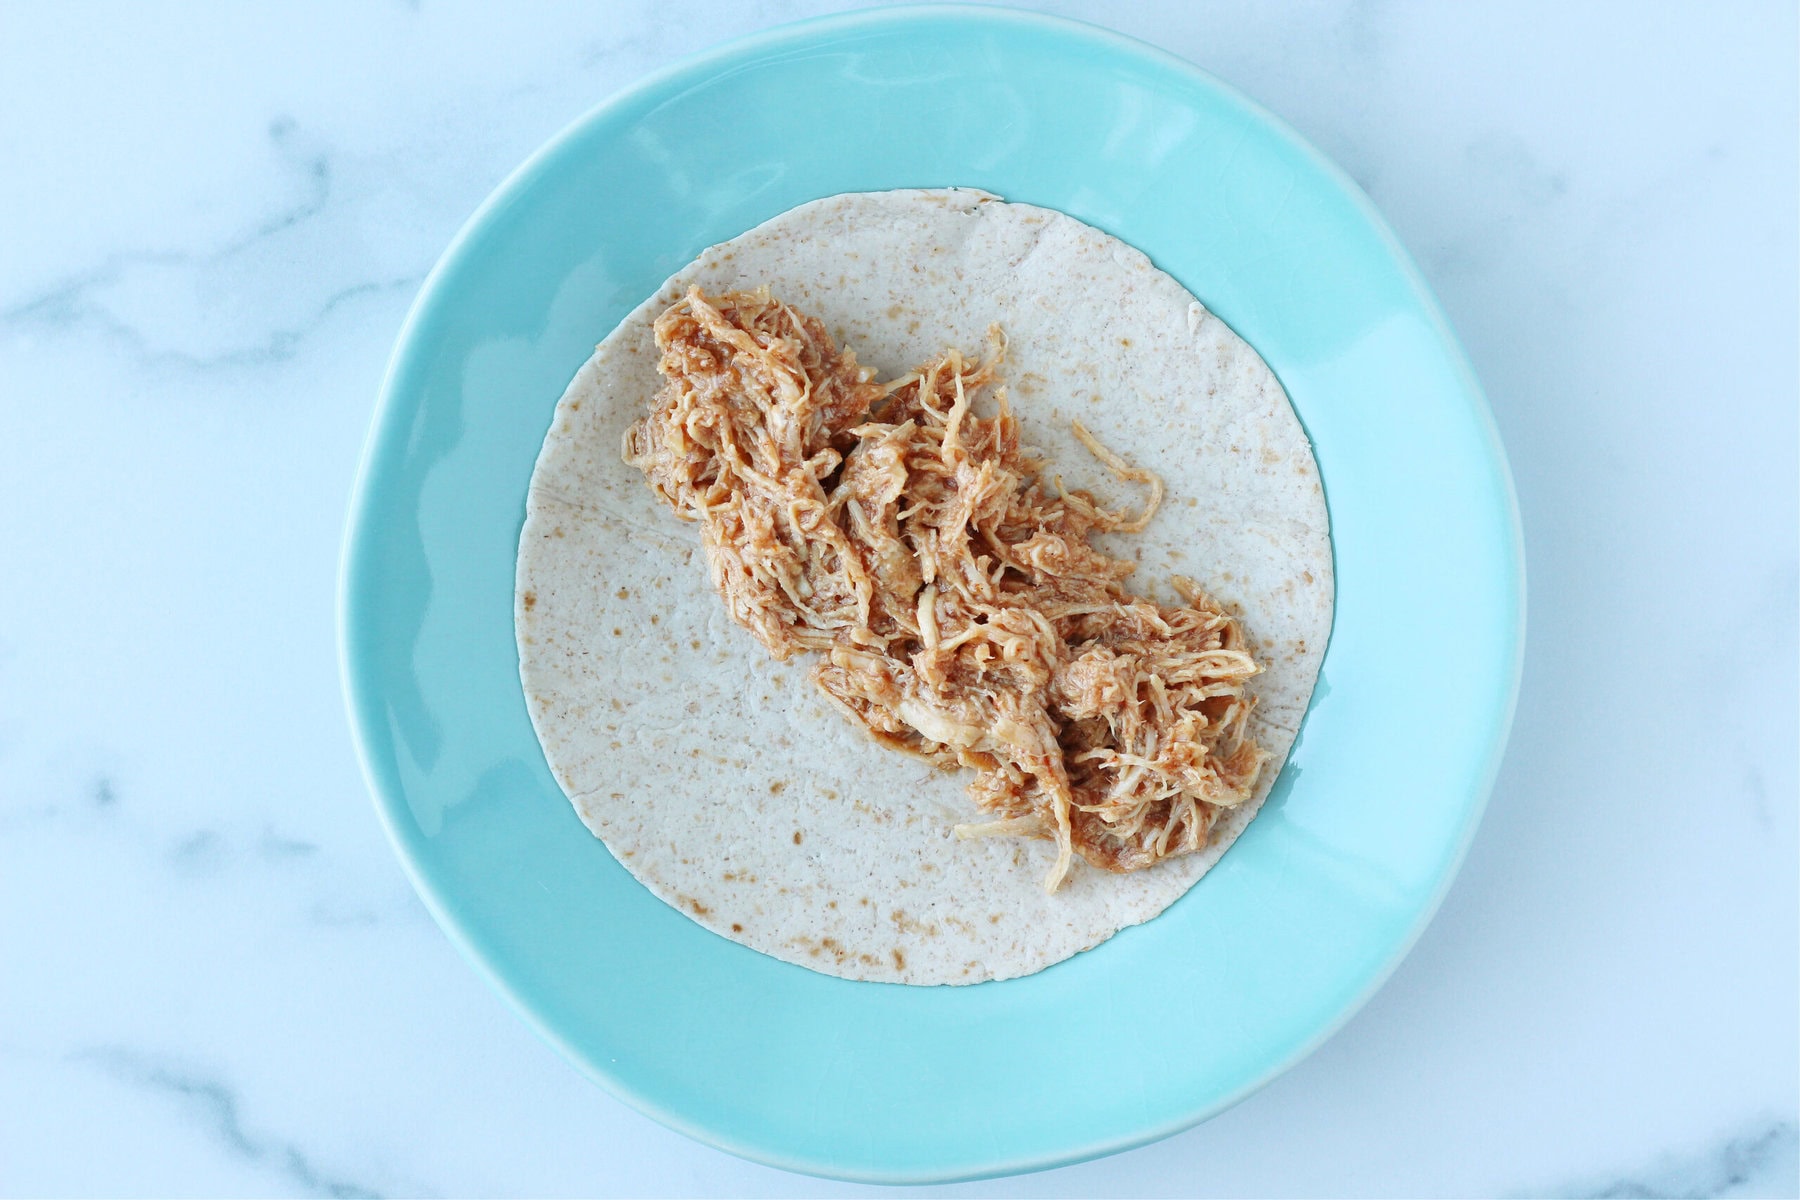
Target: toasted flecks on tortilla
[[948, 583]]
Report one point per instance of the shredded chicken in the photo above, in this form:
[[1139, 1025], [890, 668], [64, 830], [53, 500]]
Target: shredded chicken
[[956, 605]]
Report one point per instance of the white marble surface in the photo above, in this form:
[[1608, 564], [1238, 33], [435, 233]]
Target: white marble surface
[[216, 979]]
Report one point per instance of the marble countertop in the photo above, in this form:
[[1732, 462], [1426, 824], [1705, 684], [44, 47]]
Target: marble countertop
[[217, 980]]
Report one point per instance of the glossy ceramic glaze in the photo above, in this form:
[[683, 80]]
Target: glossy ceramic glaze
[[1166, 1023]]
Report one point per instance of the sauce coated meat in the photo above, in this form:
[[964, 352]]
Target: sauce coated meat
[[947, 584]]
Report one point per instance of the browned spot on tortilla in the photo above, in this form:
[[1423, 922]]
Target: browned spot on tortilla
[[623, 593], [778, 787], [617, 632], [530, 601], [823, 946], [995, 919], [1124, 341], [1306, 575], [695, 643], [700, 910], [736, 928], [893, 312], [830, 793], [557, 532], [796, 837], [899, 959], [655, 620], [907, 924]]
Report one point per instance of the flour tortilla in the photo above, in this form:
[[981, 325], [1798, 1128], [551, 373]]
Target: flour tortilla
[[722, 779]]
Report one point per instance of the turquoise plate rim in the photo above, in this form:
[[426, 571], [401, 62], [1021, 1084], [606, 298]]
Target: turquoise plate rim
[[361, 689]]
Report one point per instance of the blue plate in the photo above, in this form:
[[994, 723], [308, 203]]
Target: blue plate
[[1163, 1025]]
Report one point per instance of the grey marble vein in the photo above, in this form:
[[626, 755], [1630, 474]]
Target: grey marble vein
[[218, 1107], [278, 847], [77, 301], [1759, 1162], [68, 307], [199, 853], [335, 915], [104, 795], [60, 303]]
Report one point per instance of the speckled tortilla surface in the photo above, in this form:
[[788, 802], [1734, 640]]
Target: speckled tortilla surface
[[722, 779]]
